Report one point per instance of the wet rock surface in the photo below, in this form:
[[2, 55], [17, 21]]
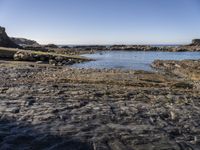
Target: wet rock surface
[[45, 107]]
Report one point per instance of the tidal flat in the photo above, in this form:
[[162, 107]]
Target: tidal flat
[[58, 107]]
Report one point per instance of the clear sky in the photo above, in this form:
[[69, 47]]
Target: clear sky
[[102, 21]]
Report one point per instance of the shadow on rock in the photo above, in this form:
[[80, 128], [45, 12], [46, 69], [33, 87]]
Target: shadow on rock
[[23, 136]]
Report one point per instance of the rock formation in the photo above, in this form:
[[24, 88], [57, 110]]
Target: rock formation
[[194, 46], [59, 108], [5, 41], [196, 42], [136, 48], [24, 42], [51, 46]]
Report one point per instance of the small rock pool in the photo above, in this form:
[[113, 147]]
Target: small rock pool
[[133, 60]]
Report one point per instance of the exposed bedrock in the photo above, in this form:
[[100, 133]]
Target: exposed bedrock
[[24, 42], [5, 41], [82, 109]]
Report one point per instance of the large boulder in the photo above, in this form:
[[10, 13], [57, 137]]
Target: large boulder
[[5, 41], [24, 56]]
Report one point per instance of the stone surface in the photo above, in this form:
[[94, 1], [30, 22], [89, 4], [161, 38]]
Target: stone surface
[[187, 68], [45, 107]]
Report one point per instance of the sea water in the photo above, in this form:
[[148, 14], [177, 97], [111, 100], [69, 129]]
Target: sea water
[[132, 59]]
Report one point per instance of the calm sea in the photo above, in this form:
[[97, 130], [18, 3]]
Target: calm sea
[[132, 60]]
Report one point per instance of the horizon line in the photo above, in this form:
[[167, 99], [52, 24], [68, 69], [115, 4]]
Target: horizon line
[[114, 43]]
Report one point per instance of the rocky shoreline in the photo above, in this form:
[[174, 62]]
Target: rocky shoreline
[[45, 105], [49, 107], [56, 59], [77, 50], [26, 44]]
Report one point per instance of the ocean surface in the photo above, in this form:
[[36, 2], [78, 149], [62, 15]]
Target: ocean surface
[[132, 60]]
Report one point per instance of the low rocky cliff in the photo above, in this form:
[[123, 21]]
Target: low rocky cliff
[[24, 42], [196, 42], [194, 46], [5, 41]]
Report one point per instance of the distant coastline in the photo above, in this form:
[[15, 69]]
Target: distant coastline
[[108, 45]]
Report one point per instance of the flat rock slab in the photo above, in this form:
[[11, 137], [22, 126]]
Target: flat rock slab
[[45, 107]]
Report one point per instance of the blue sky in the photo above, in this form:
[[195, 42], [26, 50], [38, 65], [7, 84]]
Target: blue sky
[[102, 21]]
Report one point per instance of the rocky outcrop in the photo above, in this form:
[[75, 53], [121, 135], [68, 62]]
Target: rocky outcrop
[[24, 42], [54, 59], [5, 41], [136, 48], [196, 42], [24, 56], [66, 47], [186, 68], [90, 47], [29, 44], [194, 46], [51, 46]]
